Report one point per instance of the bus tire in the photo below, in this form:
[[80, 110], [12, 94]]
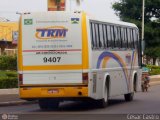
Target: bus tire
[[102, 103], [45, 104], [129, 97], [135, 83]]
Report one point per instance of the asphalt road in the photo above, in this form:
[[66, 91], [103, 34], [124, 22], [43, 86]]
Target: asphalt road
[[143, 103]]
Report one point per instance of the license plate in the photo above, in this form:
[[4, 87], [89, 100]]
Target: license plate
[[52, 91]]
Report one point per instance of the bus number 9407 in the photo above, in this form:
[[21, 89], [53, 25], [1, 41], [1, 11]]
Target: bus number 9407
[[51, 59]]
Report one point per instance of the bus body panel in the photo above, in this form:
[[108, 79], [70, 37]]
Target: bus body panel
[[48, 44], [120, 70], [52, 78], [120, 64]]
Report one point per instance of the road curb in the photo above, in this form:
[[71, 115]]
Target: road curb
[[14, 103]]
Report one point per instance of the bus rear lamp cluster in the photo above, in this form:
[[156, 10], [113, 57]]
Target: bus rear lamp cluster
[[85, 78], [20, 76]]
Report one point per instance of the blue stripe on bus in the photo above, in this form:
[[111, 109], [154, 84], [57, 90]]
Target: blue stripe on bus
[[119, 61]]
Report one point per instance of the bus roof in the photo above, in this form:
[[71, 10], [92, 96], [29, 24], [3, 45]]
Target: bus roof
[[111, 21], [90, 17]]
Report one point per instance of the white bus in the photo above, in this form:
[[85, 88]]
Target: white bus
[[72, 56]]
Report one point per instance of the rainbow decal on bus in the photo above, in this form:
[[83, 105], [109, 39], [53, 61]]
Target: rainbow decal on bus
[[51, 32], [106, 56]]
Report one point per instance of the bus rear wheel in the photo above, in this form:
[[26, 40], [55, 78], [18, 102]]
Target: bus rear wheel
[[129, 97], [45, 104], [102, 103]]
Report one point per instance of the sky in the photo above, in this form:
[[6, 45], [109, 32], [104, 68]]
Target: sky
[[99, 8]]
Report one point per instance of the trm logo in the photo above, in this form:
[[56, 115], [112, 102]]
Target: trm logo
[[51, 32]]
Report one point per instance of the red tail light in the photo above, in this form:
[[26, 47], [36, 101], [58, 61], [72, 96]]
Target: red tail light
[[20, 79], [85, 78]]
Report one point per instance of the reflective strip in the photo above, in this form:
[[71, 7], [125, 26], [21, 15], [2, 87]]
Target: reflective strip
[[52, 67]]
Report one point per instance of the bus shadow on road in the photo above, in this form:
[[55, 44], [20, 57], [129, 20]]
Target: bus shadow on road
[[115, 102], [84, 106]]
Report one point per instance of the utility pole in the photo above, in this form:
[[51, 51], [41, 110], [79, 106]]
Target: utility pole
[[142, 35], [143, 4]]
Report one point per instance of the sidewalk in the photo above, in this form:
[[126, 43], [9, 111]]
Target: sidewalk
[[10, 97]]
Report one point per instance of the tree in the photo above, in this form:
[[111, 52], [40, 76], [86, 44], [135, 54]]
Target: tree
[[131, 11], [152, 53]]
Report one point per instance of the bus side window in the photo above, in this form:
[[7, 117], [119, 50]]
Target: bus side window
[[131, 37], [122, 37], [138, 42], [105, 37], [94, 36], [97, 36], [91, 31], [101, 36], [119, 37], [109, 36], [135, 39], [125, 38], [112, 37], [115, 40]]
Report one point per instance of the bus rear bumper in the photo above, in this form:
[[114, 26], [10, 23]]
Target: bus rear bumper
[[52, 92]]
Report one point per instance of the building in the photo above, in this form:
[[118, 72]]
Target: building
[[65, 5], [8, 37], [56, 5]]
